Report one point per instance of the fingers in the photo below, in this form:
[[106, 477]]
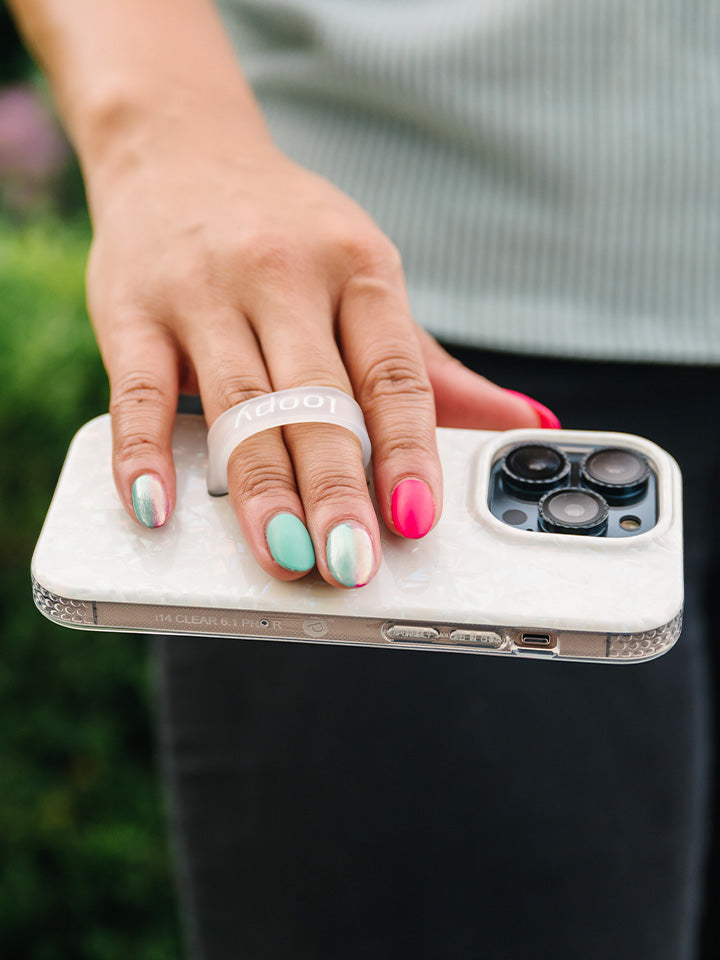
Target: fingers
[[261, 480], [327, 459], [465, 399], [252, 279], [385, 364], [143, 372], [300, 495], [406, 383]]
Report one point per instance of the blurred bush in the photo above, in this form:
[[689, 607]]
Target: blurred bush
[[38, 171], [36, 165], [84, 871]]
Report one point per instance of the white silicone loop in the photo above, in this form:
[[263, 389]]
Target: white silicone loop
[[301, 405]]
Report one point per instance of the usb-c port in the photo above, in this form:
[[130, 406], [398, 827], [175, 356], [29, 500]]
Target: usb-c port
[[537, 641]]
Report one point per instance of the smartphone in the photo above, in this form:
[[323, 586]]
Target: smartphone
[[553, 544]]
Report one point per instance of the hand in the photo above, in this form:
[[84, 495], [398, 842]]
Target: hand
[[224, 268]]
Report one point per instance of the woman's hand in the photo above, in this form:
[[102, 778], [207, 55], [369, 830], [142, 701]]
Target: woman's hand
[[220, 266], [228, 270]]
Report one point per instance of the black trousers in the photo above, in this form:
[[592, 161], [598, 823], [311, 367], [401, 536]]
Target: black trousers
[[362, 803]]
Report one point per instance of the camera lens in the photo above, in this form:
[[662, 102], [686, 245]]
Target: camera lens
[[616, 473], [534, 467], [573, 510]]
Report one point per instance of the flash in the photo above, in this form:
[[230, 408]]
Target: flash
[[630, 523]]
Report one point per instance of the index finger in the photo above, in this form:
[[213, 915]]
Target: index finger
[[383, 359]]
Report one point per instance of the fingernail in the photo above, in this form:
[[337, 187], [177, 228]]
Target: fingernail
[[290, 543], [413, 510], [547, 417], [350, 554], [150, 500]]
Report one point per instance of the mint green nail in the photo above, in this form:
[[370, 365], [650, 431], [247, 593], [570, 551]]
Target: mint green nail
[[290, 543]]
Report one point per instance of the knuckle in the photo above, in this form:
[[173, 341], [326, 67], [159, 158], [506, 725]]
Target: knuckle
[[328, 489], [370, 254], [268, 255], [136, 402], [137, 392], [398, 442], [398, 446], [234, 388], [391, 378], [256, 481], [136, 446]]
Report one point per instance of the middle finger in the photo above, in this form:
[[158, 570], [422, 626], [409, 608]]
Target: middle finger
[[300, 350]]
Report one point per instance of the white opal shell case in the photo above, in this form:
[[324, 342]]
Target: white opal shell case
[[473, 585]]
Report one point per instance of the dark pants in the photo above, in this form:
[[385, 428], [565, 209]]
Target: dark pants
[[369, 804]]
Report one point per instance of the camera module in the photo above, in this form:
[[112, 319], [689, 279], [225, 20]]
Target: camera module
[[574, 487], [616, 473], [533, 468], [573, 510]]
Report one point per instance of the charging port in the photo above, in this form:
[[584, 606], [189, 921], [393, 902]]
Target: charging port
[[537, 641]]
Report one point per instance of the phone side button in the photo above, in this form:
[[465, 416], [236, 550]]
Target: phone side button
[[481, 638], [410, 631]]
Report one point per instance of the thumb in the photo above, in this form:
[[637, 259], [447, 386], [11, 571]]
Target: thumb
[[465, 399]]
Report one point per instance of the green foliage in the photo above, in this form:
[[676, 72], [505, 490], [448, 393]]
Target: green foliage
[[84, 870]]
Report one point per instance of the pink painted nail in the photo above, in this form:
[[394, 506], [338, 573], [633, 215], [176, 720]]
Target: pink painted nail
[[547, 417], [413, 510]]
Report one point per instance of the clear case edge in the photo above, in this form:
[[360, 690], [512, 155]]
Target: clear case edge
[[357, 631]]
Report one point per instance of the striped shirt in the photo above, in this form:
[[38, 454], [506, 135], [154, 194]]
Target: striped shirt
[[548, 169]]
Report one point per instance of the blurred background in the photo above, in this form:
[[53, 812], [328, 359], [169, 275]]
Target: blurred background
[[85, 869]]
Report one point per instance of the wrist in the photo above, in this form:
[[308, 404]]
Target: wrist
[[120, 129]]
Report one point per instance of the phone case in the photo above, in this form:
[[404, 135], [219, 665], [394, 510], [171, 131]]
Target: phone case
[[473, 585]]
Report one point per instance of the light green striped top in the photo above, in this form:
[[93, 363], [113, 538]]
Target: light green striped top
[[549, 169]]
